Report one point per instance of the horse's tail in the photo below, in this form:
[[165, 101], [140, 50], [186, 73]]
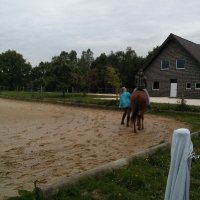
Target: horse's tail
[[135, 107]]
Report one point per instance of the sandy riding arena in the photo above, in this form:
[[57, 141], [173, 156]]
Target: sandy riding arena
[[46, 142]]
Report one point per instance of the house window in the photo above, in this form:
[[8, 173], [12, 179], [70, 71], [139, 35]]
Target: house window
[[197, 86], [180, 64], [155, 85], [188, 86], [165, 64]]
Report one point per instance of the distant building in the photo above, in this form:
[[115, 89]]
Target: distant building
[[174, 69]]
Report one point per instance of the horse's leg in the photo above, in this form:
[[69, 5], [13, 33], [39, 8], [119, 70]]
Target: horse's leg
[[134, 126], [133, 121], [128, 118], [142, 120], [139, 122]]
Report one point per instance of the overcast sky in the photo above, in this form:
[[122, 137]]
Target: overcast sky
[[41, 29]]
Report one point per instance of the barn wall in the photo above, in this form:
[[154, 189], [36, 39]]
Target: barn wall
[[190, 74]]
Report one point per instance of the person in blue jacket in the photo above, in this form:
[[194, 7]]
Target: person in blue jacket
[[125, 100]]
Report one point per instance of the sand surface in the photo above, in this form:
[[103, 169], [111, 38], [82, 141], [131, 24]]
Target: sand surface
[[47, 142]]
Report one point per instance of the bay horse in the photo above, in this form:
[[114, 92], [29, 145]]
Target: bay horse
[[139, 102]]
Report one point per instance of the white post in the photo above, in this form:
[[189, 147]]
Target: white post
[[178, 181]]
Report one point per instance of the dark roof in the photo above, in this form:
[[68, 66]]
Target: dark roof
[[192, 48]]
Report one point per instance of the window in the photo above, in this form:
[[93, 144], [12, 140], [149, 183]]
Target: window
[[155, 85], [188, 86], [165, 64], [180, 64], [197, 86]]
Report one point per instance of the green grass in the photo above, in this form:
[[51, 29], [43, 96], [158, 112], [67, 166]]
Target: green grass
[[193, 120], [84, 98], [174, 107], [56, 97]]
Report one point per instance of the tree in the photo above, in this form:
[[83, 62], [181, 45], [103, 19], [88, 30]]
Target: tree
[[64, 73], [152, 52], [85, 64], [61, 71], [14, 70], [39, 74], [86, 59], [112, 78], [72, 56], [127, 64]]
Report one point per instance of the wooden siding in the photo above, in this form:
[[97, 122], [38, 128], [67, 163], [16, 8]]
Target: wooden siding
[[191, 73]]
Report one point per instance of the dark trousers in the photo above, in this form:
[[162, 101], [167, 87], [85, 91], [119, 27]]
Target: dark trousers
[[126, 113]]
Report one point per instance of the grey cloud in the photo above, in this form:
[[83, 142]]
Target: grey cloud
[[41, 29]]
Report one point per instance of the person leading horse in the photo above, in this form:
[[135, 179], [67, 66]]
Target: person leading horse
[[124, 103]]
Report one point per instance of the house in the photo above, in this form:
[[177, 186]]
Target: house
[[174, 69]]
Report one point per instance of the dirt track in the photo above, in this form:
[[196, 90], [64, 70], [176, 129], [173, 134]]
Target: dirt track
[[47, 142]]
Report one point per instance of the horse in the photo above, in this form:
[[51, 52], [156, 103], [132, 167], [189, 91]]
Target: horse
[[139, 102]]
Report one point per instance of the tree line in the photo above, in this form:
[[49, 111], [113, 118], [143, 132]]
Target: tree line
[[67, 72]]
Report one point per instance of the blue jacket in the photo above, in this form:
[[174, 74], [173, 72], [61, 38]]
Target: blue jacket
[[125, 100]]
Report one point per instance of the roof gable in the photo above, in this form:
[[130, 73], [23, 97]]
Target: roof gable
[[192, 48]]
